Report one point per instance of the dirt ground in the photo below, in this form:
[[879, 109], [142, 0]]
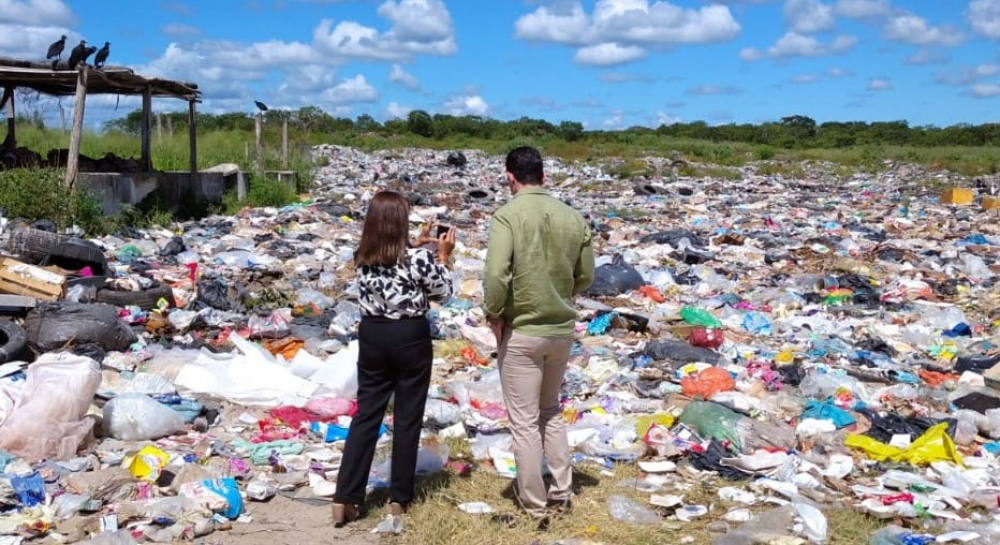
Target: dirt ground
[[283, 521]]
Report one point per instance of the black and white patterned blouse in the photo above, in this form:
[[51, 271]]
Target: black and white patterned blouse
[[405, 289]]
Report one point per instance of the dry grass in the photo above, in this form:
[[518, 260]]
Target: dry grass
[[435, 520]]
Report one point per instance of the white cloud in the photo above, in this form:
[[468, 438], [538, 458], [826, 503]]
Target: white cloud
[[663, 118], [967, 74], [793, 44], [419, 27], [21, 42], [40, 13], [804, 78], [350, 91], [879, 84], [397, 111], [615, 121], [630, 24], [836, 72], [861, 9], [714, 90], [807, 16], [466, 105], [404, 78], [608, 54], [180, 30], [925, 56], [984, 17], [622, 77], [985, 90], [912, 29]]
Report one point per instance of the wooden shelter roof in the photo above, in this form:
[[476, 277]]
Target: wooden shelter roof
[[115, 80]]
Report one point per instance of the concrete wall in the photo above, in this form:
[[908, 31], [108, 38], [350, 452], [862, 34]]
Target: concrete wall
[[172, 188]]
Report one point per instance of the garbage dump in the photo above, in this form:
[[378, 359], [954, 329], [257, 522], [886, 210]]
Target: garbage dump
[[816, 342]]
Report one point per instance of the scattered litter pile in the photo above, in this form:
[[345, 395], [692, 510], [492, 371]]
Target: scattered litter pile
[[817, 342]]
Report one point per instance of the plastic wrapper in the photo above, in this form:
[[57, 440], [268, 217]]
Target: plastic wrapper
[[47, 421], [934, 445], [52, 326], [625, 509], [138, 417]]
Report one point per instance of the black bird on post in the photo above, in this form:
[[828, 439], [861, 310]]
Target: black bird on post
[[77, 55], [88, 52], [102, 55], [56, 49], [260, 105]]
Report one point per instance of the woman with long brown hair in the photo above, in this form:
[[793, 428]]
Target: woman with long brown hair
[[395, 283]]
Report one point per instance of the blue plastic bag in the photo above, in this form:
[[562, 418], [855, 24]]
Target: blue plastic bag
[[29, 489], [228, 489]]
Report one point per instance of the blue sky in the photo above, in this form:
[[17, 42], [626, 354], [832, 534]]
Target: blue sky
[[607, 63]]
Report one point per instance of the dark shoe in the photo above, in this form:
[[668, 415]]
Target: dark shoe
[[344, 513], [560, 507]]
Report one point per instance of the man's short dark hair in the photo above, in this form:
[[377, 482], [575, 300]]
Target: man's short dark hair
[[525, 163]]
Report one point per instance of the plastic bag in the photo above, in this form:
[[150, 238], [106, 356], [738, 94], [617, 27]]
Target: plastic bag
[[934, 445], [711, 421], [678, 351], [138, 417], [47, 421], [699, 317], [441, 414], [708, 383], [52, 326], [338, 376], [615, 278], [628, 510]]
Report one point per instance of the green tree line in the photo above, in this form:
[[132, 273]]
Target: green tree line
[[792, 132]]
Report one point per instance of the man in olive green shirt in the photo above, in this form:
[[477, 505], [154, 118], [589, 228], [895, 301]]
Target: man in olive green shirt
[[539, 257]]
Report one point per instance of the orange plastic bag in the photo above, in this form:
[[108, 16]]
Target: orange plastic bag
[[708, 383], [652, 293]]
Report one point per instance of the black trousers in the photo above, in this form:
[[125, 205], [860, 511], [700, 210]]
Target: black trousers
[[394, 356]]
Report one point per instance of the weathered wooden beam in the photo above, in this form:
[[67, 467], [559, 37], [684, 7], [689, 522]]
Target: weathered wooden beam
[[259, 130], [73, 160], [11, 139], [146, 159], [284, 143], [193, 136]]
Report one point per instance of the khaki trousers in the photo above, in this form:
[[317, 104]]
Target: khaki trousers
[[531, 373]]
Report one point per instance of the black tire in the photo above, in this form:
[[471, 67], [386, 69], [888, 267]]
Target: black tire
[[13, 342], [480, 194], [146, 299], [645, 188], [75, 254], [33, 245]]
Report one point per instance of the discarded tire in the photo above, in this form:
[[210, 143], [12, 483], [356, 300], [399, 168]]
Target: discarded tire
[[479, 194], [643, 188], [13, 342], [146, 299], [54, 326], [33, 245], [75, 254]]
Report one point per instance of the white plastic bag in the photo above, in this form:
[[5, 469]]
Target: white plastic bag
[[47, 421], [138, 417], [338, 377]]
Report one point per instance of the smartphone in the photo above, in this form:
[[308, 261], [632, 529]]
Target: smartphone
[[442, 230]]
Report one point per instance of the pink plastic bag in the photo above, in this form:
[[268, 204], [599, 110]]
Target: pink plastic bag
[[48, 419]]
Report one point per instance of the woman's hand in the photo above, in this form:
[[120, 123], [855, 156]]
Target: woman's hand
[[425, 237], [446, 245]]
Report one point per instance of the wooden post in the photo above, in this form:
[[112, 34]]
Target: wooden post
[[193, 136], [159, 128], [73, 160], [284, 143], [259, 129], [11, 138], [170, 126], [147, 104]]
